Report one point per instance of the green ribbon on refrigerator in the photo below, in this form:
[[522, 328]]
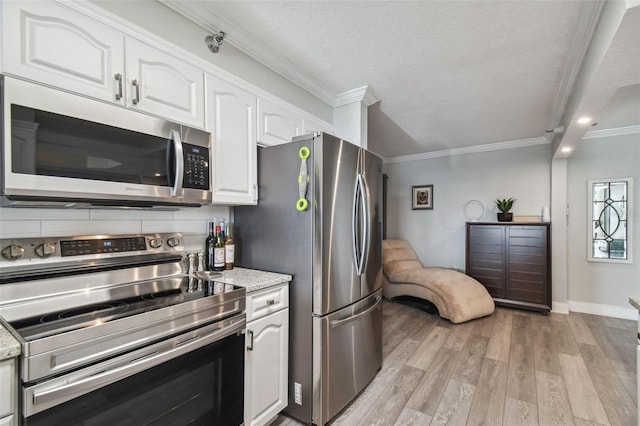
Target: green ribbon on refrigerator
[[303, 179]]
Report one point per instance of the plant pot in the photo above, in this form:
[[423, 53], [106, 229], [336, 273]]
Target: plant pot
[[505, 217]]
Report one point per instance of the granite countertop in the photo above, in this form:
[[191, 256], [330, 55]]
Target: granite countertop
[[9, 346], [252, 279], [635, 302]]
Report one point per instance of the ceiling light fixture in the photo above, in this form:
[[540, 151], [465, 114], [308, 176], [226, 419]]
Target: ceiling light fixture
[[214, 41], [584, 120], [566, 149]]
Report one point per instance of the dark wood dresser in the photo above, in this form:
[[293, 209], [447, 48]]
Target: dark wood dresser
[[513, 261]]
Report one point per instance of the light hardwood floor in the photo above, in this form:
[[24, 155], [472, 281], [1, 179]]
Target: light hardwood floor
[[511, 368]]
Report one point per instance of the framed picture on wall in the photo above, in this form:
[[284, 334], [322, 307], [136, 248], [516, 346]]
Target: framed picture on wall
[[422, 197]]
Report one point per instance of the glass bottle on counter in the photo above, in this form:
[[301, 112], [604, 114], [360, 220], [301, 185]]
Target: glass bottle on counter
[[218, 251], [209, 245], [222, 229], [229, 250]]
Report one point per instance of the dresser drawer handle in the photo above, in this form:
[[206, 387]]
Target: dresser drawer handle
[[271, 302]]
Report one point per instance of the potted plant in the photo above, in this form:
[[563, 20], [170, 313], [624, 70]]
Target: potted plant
[[504, 206]]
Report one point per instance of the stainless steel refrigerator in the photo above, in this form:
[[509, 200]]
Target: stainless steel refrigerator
[[318, 218]]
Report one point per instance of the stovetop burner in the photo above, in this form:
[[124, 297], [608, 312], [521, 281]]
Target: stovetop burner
[[76, 301], [95, 311], [181, 289]]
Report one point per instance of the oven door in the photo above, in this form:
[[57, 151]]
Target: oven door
[[195, 378], [59, 146]]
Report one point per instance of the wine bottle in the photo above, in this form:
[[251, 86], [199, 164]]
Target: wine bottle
[[222, 229], [209, 247], [218, 251], [229, 250]]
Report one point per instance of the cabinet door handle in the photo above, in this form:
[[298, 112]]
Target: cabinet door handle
[[254, 187], [250, 345], [271, 302], [119, 80], [135, 84]]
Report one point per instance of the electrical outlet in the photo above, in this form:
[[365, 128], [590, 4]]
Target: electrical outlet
[[297, 389]]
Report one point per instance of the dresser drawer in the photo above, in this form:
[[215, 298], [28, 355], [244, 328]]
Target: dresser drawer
[[266, 301]]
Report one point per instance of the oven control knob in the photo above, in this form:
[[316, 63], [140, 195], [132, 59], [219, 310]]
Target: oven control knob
[[155, 242], [13, 252], [173, 241], [45, 249]]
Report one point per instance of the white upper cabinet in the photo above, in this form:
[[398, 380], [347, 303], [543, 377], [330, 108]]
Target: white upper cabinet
[[277, 124], [163, 85], [313, 126], [231, 119], [49, 43]]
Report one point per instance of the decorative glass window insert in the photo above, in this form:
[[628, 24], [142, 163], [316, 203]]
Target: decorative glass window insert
[[610, 220]]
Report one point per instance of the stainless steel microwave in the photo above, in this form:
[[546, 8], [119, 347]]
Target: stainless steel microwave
[[60, 149]]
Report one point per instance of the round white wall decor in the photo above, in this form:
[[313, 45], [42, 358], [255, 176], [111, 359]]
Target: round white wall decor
[[473, 210]]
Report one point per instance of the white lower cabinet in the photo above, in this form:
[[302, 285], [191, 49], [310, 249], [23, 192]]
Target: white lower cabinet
[[267, 360], [638, 378], [8, 390]]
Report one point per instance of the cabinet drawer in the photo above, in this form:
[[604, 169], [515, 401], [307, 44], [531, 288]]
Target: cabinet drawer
[[264, 302]]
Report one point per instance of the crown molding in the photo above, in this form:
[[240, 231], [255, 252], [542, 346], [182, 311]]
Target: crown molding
[[520, 143], [271, 58], [607, 133], [364, 93]]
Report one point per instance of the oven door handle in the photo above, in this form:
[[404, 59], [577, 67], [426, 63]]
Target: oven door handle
[[57, 391]]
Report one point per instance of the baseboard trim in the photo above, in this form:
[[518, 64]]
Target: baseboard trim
[[604, 310], [560, 307]]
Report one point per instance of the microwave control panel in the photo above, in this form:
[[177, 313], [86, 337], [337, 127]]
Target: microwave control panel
[[196, 167]]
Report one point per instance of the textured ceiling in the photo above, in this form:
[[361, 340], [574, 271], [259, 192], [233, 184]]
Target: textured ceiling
[[450, 74]]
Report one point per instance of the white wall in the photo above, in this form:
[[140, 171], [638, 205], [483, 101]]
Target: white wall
[[597, 283], [438, 235]]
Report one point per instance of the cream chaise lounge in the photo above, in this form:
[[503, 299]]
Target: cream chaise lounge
[[457, 296]]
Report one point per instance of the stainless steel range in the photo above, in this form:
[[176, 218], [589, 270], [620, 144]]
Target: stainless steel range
[[115, 330]]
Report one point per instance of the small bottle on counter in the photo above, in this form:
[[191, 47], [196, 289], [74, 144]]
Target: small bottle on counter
[[210, 243], [218, 251], [229, 250]]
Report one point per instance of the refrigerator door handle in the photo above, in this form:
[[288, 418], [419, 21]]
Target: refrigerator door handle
[[359, 238], [338, 323], [354, 224], [366, 241]]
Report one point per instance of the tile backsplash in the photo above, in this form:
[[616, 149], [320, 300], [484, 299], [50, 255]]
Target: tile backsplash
[[40, 222]]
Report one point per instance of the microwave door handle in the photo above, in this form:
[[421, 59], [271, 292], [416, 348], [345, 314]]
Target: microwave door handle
[[178, 155]]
